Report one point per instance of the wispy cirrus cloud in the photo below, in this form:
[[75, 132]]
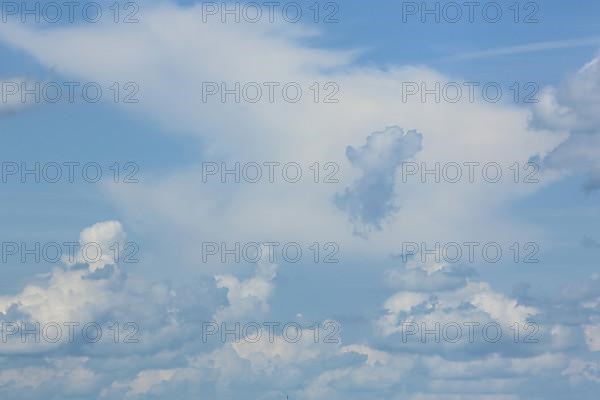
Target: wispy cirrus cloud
[[527, 48]]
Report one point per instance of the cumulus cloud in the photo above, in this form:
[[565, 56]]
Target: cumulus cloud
[[475, 302], [64, 296], [573, 108], [369, 97], [428, 276], [101, 244], [249, 297], [574, 104], [73, 295], [371, 198], [144, 382], [445, 300], [579, 371], [81, 296], [171, 361]]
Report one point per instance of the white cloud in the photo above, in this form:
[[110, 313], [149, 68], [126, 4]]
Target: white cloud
[[66, 296], [249, 297], [170, 357], [72, 374], [305, 132], [101, 244], [370, 199], [573, 107], [581, 370]]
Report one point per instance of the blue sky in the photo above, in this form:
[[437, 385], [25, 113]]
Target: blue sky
[[360, 213]]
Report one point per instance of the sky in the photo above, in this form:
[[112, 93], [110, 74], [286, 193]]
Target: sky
[[303, 200]]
